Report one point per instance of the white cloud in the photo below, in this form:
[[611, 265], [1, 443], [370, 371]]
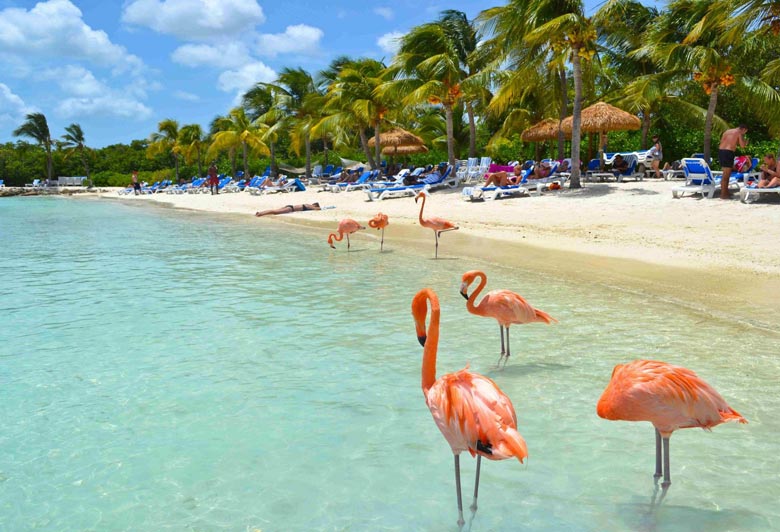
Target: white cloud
[[55, 29], [299, 38], [186, 96], [12, 107], [74, 80], [384, 12], [194, 20], [242, 79], [222, 55], [107, 105], [390, 42]]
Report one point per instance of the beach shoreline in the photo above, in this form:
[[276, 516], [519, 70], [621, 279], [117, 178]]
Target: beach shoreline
[[629, 236]]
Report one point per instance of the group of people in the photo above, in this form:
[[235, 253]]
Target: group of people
[[503, 178]]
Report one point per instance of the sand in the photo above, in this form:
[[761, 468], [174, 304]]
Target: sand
[[713, 254]]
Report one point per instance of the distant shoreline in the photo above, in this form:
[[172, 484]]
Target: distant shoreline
[[702, 254]]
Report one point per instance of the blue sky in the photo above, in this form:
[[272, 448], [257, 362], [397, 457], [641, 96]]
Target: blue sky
[[118, 68]]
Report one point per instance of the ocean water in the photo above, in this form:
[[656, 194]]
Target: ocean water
[[166, 370]]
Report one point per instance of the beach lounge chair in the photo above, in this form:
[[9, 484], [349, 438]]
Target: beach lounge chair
[[361, 182], [751, 193], [630, 171], [35, 184], [295, 185], [382, 193], [495, 192], [2, 183], [699, 180], [445, 179]]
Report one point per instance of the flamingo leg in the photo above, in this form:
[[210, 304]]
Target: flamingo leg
[[667, 475], [382, 243], [347, 241], [657, 455], [503, 351], [476, 484], [436, 233], [506, 358], [461, 522]]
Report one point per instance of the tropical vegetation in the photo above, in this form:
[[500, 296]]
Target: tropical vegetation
[[470, 86]]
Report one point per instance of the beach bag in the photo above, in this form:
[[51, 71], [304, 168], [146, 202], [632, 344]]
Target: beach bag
[[742, 163]]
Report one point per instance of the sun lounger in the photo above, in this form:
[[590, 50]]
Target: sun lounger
[[699, 179], [752, 193], [382, 193], [296, 185]]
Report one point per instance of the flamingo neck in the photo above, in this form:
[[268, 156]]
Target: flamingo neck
[[422, 206], [431, 348], [470, 304], [333, 236]]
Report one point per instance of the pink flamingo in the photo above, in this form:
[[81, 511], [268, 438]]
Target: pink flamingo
[[347, 226], [470, 410], [438, 225], [379, 222], [504, 306], [670, 397]]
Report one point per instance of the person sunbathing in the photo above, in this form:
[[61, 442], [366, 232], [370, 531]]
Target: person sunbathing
[[564, 166], [541, 170], [503, 179], [619, 165], [770, 175], [291, 208]]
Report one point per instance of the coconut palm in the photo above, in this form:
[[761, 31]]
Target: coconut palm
[[166, 140], [237, 131], [193, 143], [259, 102], [73, 142], [37, 128]]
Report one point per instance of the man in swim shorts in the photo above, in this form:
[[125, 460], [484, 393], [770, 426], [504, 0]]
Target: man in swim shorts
[[136, 184], [728, 144]]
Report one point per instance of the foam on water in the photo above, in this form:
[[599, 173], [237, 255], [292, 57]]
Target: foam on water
[[175, 371]]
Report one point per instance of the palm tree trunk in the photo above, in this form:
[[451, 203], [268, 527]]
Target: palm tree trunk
[[176, 162], [472, 130], [49, 162], [450, 135], [200, 163], [377, 147], [576, 120], [325, 149], [233, 161], [645, 126], [272, 149], [246, 162], [366, 149], [85, 163], [307, 141], [708, 122], [564, 111]]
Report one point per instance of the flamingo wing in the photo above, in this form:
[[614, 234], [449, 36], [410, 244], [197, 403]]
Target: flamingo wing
[[439, 224], [474, 415], [507, 307]]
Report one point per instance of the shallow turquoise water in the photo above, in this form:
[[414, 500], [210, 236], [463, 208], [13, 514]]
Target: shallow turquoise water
[[173, 371]]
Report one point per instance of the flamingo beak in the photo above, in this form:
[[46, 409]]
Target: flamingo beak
[[422, 339], [463, 292]]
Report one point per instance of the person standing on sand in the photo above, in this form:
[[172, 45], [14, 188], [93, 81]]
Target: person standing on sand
[[213, 179], [136, 184], [728, 145]]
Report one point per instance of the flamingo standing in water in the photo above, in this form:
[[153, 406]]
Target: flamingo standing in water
[[379, 222], [670, 397], [504, 306], [470, 410], [438, 225], [347, 226]]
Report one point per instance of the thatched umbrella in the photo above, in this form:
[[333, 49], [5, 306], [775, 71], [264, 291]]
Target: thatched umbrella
[[404, 150], [545, 130], [396, 137], [603, 118]]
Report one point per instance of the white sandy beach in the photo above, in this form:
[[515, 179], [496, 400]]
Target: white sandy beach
[[633, 230]]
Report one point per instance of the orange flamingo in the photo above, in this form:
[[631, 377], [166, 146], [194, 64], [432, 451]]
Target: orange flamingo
[[470, 410], [379, 222], [347, 226], [438, 225], [670, 397], [504, 306]]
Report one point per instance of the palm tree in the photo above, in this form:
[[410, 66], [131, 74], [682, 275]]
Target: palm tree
[[37, 128], [193, 142], [237, 131], [166, 140], [428, 69], [73, 141], [259, 103]]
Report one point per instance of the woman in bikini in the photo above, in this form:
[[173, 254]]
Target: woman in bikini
[[502, 179], [290, 208], [770, 175]]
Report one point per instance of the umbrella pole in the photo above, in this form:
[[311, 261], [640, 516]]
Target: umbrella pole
[[601, 151]]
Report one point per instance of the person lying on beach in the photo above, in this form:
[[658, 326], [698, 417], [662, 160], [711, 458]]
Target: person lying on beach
[[619, 165], [502, 178], [541, 171], [564, 166], [290, 208], [770, 175]]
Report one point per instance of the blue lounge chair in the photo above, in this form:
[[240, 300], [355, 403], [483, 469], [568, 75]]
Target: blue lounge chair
[[381, 193], [752, 193], [361, 183], [495, 192], [699, 179], [2, 183]]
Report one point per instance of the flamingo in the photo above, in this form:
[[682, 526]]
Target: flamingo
[[438, 225], [505, 306], [347, 226], [670, 397], [470, 410], [379, 222]]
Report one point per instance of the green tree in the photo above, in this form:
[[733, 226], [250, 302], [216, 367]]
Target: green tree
[[37, 128], [193, 141], [73, 142], [237, 131], [166, 140]]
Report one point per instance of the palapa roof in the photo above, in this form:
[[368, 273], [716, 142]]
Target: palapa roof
[[396, 137], [404, 150], [545, 130], [601, 117]]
